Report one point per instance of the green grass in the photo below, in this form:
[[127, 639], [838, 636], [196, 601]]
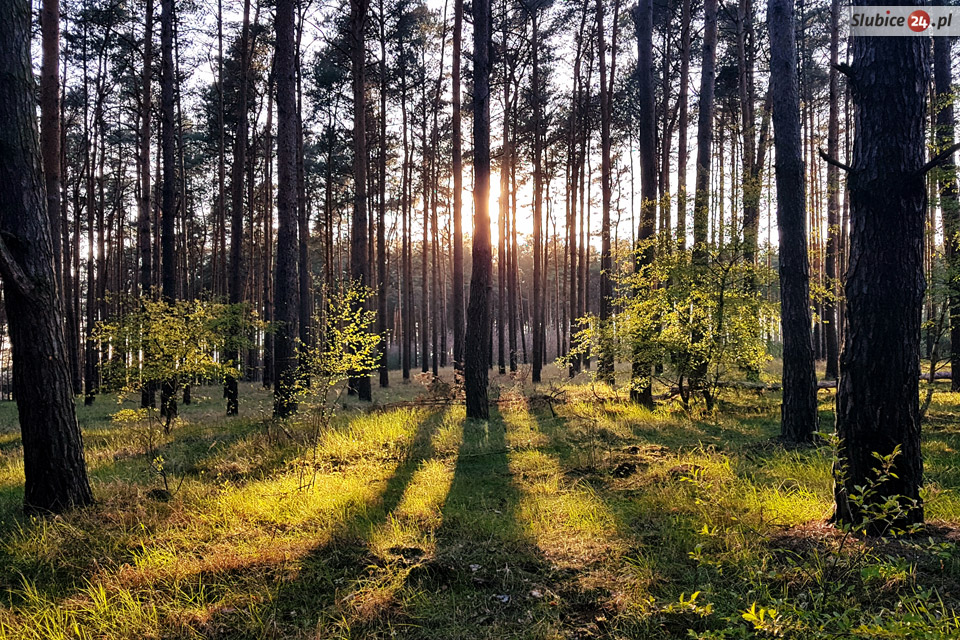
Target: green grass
[[588, 518]]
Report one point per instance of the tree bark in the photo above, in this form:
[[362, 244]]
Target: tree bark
[[359, 266], [798, 413], [949, 205], [54, 468], [286, 282], [457, 293], [641, 390], [168, 194], [832, 350], [878, 394], [237, 268], [476, 345]]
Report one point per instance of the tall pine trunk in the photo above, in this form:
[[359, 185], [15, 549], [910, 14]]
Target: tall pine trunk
[[54, 468], [477, 338], [168, 194], [359, 264], [798, 413], [878, 394], [286, 282], [949, 206]]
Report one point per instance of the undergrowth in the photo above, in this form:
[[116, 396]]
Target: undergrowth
[[570, 514]]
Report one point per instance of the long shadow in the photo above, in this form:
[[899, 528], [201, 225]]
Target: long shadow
[[483, 555], [322, 575], [56, 581]]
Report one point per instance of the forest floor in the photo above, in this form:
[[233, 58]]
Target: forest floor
[[570, 514]]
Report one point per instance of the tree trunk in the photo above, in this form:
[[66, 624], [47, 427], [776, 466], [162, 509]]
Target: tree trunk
[[359, 265], [682, 125], [458, 322], [798, 413], [476, 345], [168, 199], [50, 120], [237, 268], [641, 385], [832, 351], [949, 206], [286, 284], [878, 395], [605, 371], [147, 394], [701, 196], [54, 468], [383, 275]]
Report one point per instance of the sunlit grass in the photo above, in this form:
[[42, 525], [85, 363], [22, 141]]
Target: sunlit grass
[[583, 517]]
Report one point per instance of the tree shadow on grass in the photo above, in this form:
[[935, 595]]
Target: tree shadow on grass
[[313, 593]]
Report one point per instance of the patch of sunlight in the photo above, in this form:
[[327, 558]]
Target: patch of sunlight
[[290, 500], [386, 433], [424, 496], [568, 522], [523, 430], [940, 503], [810, 470], [937, 446], [449, 431], [95, 611], [789, 506]]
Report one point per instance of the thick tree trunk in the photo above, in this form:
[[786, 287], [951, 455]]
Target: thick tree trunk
[[237, 267], [54, 469], [168, 195], [286, 283], [359, 265], [878, 395], [949, 206], [476, 345], [798, 413]]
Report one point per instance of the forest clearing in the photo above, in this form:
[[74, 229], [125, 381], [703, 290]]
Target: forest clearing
[[587, 517]]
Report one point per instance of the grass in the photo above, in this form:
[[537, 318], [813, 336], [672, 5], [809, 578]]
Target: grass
[[577, 517]]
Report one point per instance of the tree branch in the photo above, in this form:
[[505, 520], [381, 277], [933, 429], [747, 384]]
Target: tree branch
[[938, 159], [845, 69], [11, 271], [834, 162]]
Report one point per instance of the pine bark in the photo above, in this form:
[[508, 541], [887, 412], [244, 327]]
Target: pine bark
[[477, 338], [949, 205], [832, 346], [641, 386], [168, 194], [798, 413], [359, 265], [286, 282], [54, 468], [878, 395], [237, 266]]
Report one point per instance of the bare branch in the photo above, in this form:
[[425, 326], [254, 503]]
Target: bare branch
[[834, 162], [938, 159]]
